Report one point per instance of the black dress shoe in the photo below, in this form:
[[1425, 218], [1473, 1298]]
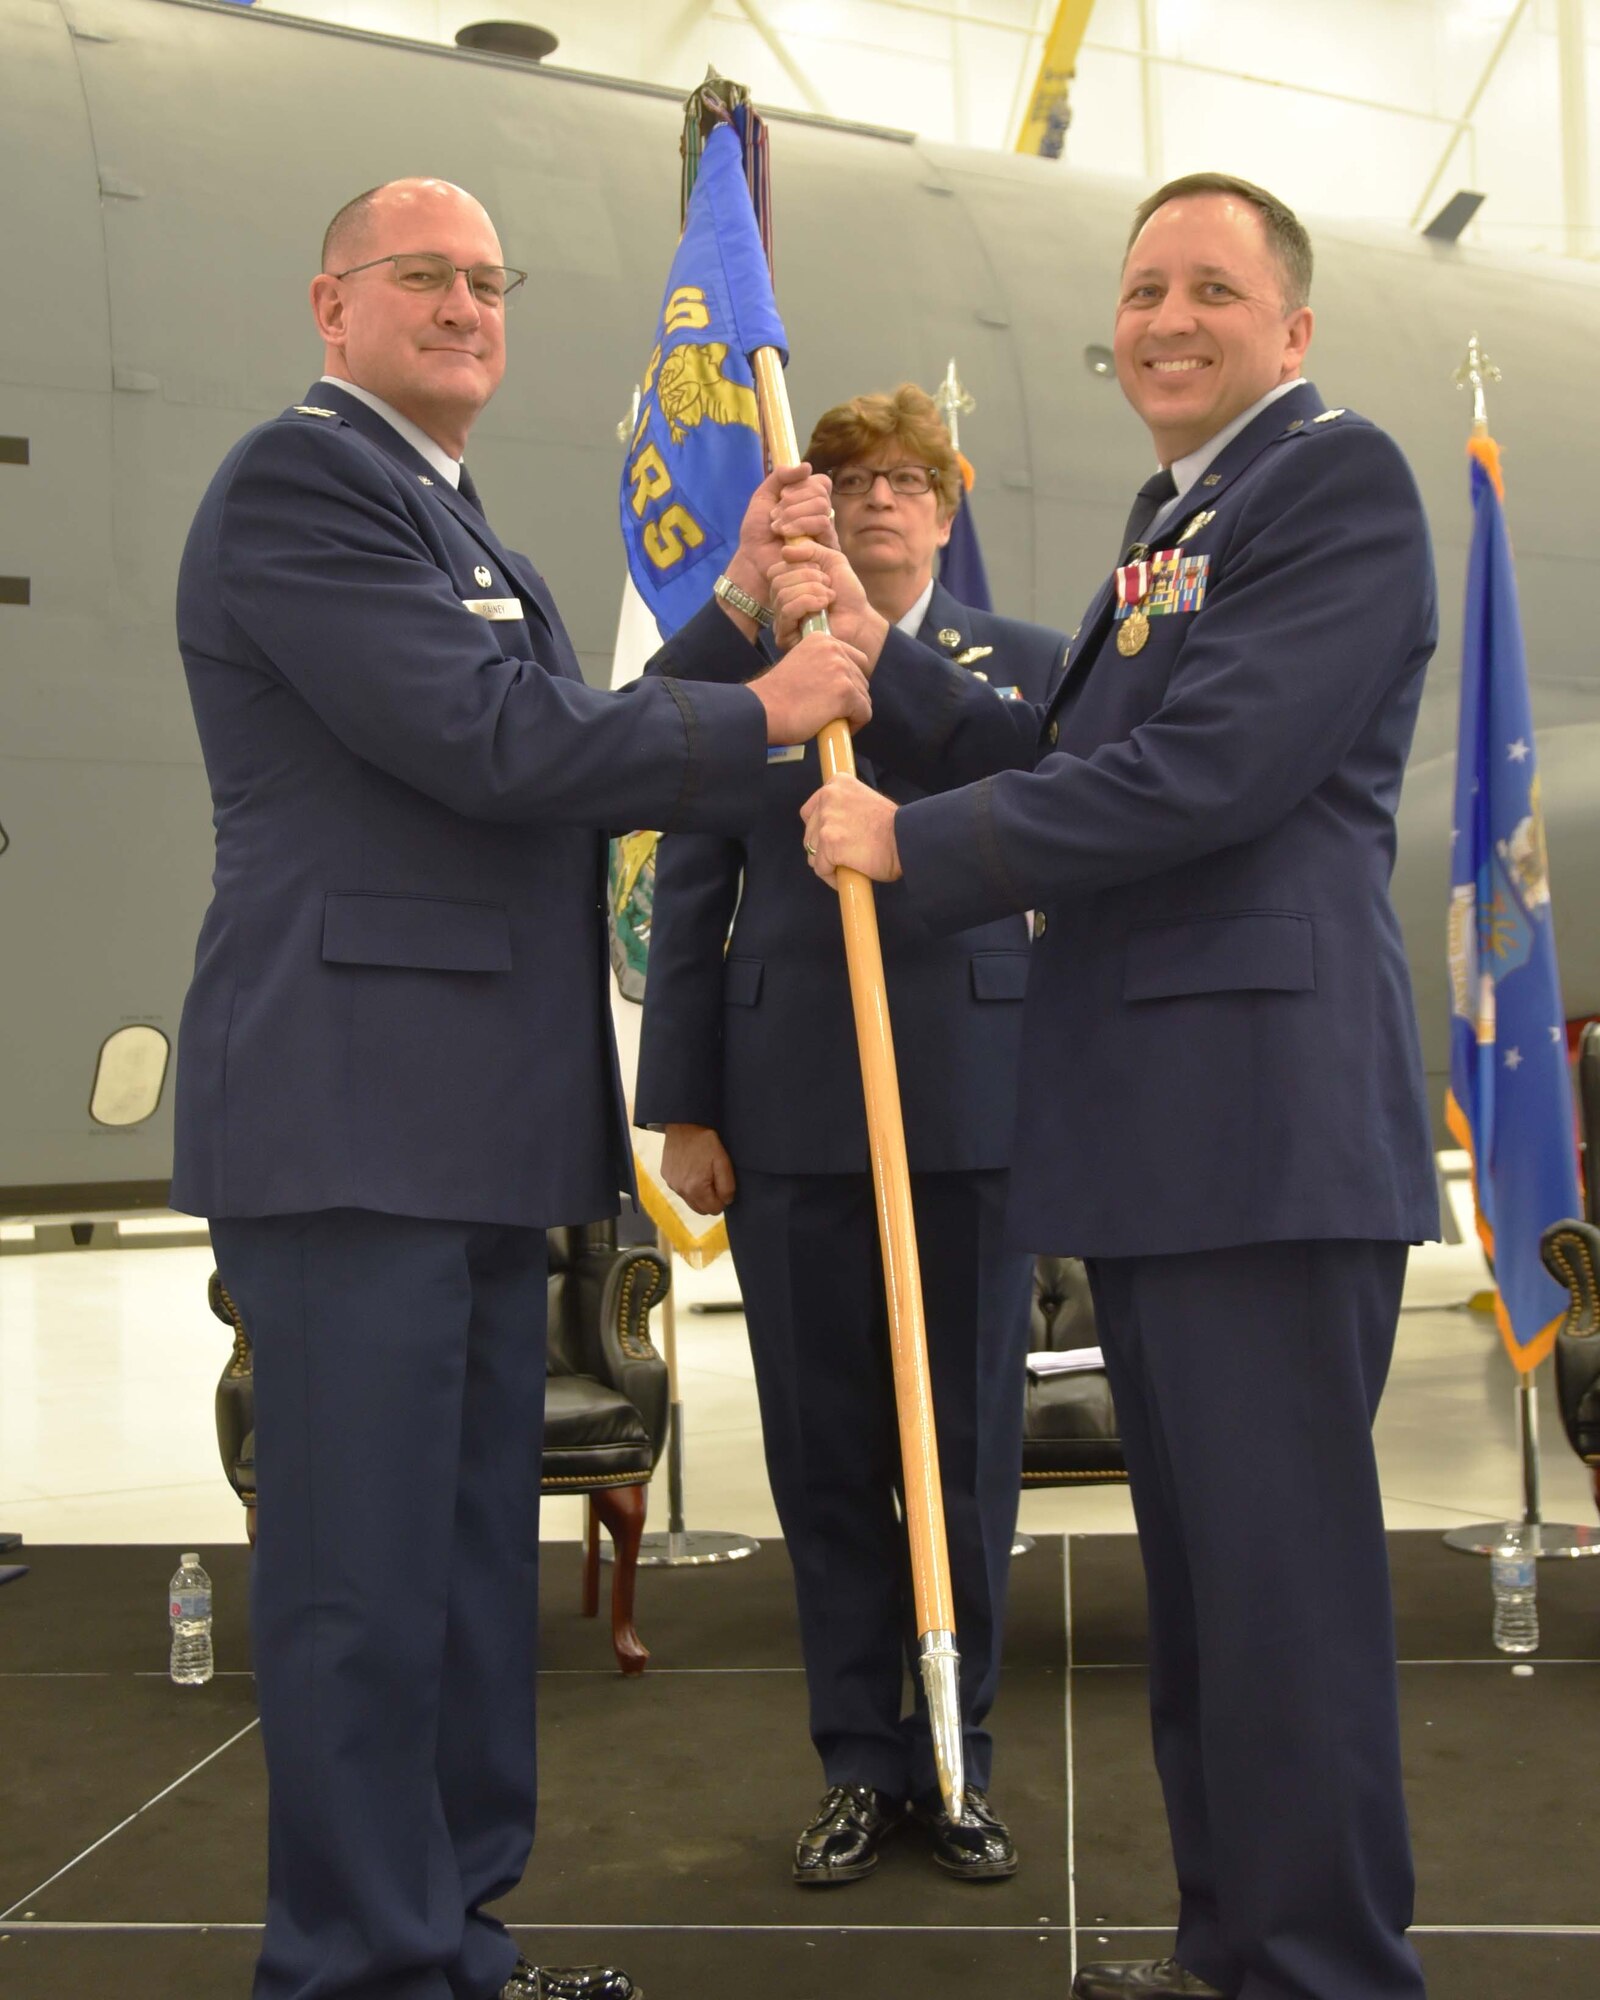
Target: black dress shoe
[[569, 1982], [1149, 1979], [841, 1844], [980, 1850]]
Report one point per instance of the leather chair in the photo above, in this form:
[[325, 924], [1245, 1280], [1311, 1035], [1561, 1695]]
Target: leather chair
[[1588, 1082], [605, 1405], [1069, 1427], [1571, 1252]]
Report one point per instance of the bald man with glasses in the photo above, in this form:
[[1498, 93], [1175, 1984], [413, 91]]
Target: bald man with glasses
[[395, 1073]]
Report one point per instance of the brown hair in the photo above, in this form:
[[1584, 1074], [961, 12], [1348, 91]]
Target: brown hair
[[1286, 235], [909, 418]]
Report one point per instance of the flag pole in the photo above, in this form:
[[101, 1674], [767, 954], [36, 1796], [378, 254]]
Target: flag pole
[[1550, 1538], [919, 1450]]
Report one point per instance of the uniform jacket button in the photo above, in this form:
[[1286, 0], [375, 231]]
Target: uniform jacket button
[[1053, 734], [1038, 923]]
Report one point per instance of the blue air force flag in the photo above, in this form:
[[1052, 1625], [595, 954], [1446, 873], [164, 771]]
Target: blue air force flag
[[961, 568], [695, 456], [1510, 1101]]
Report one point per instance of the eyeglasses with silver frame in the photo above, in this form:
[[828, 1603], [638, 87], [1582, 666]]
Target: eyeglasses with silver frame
[[429, 271]]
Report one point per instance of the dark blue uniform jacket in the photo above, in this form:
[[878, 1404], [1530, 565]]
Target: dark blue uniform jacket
[[400, 993], [1220, 1045], [762, 1044]]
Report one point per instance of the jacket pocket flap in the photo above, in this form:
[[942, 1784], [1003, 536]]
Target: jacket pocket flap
[[1246, 951], [425, 933], [999, 975], [741, 981]]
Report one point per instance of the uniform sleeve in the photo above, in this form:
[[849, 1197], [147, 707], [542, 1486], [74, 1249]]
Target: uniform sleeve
[[1323, 609], [710, 647], [680, 1045], [939, 727], [331, 580]]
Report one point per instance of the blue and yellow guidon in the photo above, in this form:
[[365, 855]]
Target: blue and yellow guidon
[[695, 454]]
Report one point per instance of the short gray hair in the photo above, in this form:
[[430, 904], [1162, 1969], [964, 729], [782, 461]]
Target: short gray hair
[[344, 235]]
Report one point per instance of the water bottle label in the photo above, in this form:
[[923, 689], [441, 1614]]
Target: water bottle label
[[1514, 1573], [190, 1605]]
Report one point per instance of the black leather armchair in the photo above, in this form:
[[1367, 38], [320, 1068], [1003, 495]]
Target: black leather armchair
[[605, 1405], [1069, 1427], [1571, 1252]]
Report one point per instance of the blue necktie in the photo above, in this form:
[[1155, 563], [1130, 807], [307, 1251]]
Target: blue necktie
[[1148, 502]]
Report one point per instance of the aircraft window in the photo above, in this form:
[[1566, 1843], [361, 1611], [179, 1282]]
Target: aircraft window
[[129, 1075]]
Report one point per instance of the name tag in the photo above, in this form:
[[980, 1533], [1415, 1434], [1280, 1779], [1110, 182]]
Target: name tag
[[786, 753], [494, 607]]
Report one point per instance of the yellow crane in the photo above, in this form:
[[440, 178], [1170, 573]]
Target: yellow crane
[[1044, 128]]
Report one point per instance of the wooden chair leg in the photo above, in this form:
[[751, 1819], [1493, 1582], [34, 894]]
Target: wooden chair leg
[[622, 1509], [250, 1524], [591, 1559]]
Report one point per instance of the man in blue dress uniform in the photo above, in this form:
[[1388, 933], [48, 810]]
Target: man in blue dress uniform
[[749, 1062], [1222, 1102], [396, 1071]]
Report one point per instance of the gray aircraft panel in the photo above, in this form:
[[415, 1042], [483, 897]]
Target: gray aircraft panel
[[178, 162], [54, 333]]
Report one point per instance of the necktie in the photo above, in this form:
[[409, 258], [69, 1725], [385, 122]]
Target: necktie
[[1152, 496], [468, 491]]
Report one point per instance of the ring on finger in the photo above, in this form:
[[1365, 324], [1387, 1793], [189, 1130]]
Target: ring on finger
[[809, 848]]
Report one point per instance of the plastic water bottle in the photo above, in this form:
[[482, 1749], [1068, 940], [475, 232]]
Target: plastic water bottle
[[189, 1600], [1514, 1574]]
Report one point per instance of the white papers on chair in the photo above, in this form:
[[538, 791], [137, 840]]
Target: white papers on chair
[[1065, 1360]]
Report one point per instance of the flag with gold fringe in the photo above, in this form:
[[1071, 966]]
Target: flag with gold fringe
[[1510, 1101]]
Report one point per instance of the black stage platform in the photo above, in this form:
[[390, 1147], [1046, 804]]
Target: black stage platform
[[131, 1811]]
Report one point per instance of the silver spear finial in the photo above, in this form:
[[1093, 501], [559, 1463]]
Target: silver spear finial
[[953, 402], [1472, 374], [629, 423]]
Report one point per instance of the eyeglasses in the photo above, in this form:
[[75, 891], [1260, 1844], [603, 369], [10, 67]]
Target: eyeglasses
[[853, 482], [427, 271]]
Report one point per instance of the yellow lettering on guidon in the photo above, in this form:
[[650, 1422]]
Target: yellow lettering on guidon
[[686, 311], [665, 540], [650, 479]]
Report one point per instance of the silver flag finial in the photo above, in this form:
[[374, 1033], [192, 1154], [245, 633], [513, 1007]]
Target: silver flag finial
[[1473, 373], [953, 402], [626, 428]]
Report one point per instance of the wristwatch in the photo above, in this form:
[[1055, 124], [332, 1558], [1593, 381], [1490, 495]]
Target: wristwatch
[[741, 600]]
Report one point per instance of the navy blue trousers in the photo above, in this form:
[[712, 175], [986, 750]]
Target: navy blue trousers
[[399, 1395], [806, 1249], [1246, 1382]]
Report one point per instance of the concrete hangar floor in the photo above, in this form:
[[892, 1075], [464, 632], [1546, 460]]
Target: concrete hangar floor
[[132, 1811]]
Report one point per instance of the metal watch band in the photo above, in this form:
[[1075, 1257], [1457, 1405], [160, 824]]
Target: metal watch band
[[741, 600]]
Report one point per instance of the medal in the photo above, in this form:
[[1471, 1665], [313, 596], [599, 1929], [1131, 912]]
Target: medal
[[1132, 632], [1133, 621]]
